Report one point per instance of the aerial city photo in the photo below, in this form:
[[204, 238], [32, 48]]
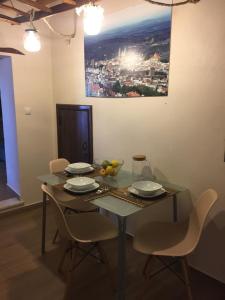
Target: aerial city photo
[[130, 57]]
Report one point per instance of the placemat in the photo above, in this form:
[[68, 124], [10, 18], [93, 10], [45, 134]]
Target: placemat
[[123, 194], [100, 192], [104, 189]]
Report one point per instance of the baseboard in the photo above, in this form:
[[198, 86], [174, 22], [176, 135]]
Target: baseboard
[[205, 273], [10, 203], [20, 208]]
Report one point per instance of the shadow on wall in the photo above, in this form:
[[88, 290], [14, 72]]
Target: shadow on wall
[[211, 245], [162, 211], [184, 198]]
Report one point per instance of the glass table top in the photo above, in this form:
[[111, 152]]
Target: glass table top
[[51, 179], [116, 206], [110, 203]]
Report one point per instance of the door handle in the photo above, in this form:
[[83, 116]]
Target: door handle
[[84, 146]]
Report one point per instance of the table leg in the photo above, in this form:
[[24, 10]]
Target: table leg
[[43, 224], [175, 217], [121, 258]]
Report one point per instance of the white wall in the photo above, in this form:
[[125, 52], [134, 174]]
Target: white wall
[[182, 134], [32, 79]]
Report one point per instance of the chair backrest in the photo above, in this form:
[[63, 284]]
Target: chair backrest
[[198, 217], [61, 223], [58, 165]]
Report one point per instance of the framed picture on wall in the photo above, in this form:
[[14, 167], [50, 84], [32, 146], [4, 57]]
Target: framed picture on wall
[[130, 56]]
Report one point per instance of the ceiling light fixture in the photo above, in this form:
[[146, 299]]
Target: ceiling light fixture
[[31, 39], [93, 16]]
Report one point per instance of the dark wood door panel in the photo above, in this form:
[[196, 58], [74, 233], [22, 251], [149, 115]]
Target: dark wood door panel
[[75, 137]]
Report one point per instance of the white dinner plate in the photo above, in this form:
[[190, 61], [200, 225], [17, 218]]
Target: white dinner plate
[[70, 188], [81, 183], [79, 166], [146, 187], [74, 171], [132, 190]]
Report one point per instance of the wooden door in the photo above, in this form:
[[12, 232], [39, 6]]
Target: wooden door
[[75, 136]]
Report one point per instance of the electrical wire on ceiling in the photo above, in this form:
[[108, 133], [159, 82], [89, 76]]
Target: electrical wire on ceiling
[[67, 37], [32, 16], [172, 4]]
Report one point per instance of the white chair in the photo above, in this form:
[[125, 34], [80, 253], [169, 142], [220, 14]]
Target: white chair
[[175, 239], [58, 165], [68, 201], [89, 228]]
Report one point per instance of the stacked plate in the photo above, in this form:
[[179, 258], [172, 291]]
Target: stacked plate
[[79, 168], [146, 189], [81, 185]]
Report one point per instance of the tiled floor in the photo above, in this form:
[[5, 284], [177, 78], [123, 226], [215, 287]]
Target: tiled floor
[[25, 275]]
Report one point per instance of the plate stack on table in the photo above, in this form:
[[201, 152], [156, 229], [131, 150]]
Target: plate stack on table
[[146, 189], [81, 185], [79, 168]]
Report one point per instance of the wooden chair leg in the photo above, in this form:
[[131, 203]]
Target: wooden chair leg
[[73, 255], [144, 272], [67, 247], [69, 291], [107, 265], [184, 264], [55, 236], [62, 261], [57, 231]]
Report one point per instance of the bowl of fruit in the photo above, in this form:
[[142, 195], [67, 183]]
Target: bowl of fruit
[[109, 167]]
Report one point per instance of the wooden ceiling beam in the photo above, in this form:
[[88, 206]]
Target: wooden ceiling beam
[[71, 2], [54, 10], [9, 20], [11, 50], [45, 2], [41, 14], [36, 5], [13, 9]]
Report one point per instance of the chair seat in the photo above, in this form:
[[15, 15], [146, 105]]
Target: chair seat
[[159, 238], [79, 205], [91, 227]]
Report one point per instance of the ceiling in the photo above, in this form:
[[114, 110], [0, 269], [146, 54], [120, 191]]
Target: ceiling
[[16, 12]]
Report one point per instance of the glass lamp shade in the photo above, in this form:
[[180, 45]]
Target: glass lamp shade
[[92, 18], [31, 40]]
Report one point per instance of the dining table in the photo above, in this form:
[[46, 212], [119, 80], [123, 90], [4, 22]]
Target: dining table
[[119, 202]]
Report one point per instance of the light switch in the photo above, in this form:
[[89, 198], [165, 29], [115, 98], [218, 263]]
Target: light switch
[[27, 110]]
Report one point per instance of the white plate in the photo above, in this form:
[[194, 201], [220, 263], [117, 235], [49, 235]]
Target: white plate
[[74, 171], [68, 187], [146, 187], [81, 183], [79, 166], [132, 190]]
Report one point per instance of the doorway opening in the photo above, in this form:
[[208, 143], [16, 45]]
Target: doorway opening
[[5, 191], [9, 165]]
